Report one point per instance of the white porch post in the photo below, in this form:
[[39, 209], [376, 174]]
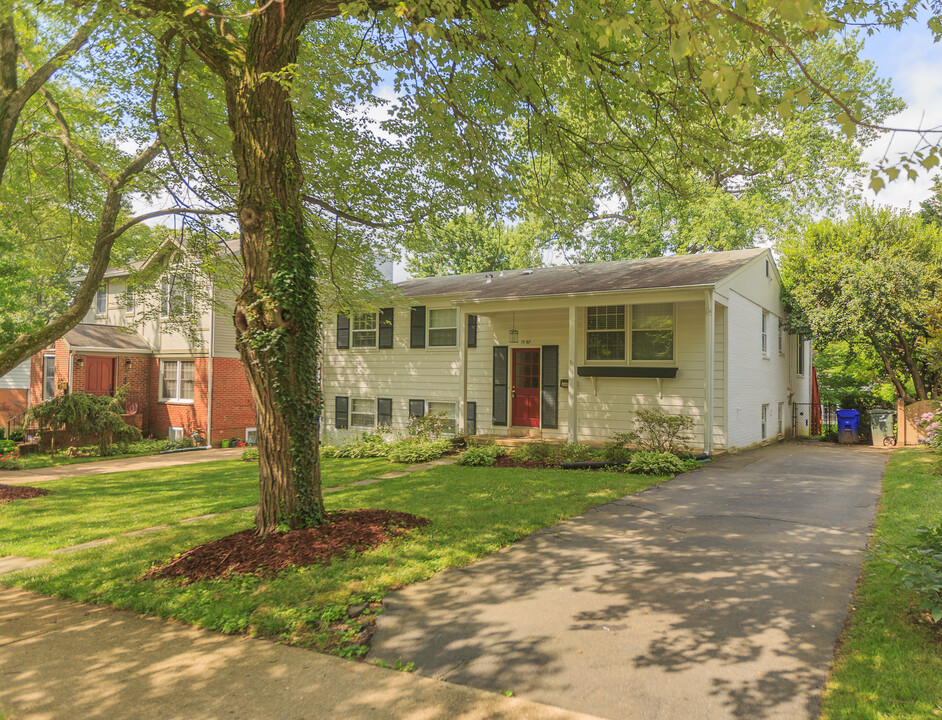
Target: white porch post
[[573, 378], [710, 350], [461, 421]]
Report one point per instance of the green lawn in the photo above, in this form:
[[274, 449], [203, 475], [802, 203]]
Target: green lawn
[[473, 512], [99, 506], [889, 666], [42, 460]]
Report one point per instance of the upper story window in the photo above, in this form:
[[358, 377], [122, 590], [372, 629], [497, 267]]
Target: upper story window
[[443, 327], [605, 333], [177, 380], [176, 297], [365, 328], [780, 339], [49, 376], [765, 333], [652, 332], [128, 301], [101, 300], [800, 370]]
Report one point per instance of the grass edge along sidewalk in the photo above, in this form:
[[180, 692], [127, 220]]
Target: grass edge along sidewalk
[[474, 512], [888, 664]]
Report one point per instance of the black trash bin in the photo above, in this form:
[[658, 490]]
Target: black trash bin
[[848, 426]]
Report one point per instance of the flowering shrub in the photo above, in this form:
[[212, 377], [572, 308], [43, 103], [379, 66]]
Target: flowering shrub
[[931, 424], [9, 455]]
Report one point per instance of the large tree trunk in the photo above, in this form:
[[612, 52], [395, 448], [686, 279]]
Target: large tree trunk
[[276, 313]]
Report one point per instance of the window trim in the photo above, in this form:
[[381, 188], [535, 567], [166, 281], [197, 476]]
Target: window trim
[[800, 358], [166, 298], [454, 411], [765, 333], [781, 342], [172, 428], [130, 304], [374, 331], [350, 413], [629, 319], [101, 298], [46, 357], [247, 431], [781, 420], [765, 421], [429, 329], [179, 382], [624, 331]]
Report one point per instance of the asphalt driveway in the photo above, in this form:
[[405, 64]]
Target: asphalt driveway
[[718, 595]]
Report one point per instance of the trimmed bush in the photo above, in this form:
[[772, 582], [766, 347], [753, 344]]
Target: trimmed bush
[[368, 445], [655, 463], [418, 450], [481, 455], [250, 455]]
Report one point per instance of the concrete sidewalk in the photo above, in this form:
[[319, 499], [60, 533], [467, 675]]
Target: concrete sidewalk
[[103, 467], [718, 595], [68, 660]]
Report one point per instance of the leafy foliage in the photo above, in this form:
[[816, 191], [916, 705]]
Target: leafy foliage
[[658, 431], [481, 455], [869, 279], [920, 565], [418, 450], [250, 454], [430, 426], [655, 463], [86, 416], [367, 445]]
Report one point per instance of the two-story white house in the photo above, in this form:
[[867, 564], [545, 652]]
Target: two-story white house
[[570, 353]]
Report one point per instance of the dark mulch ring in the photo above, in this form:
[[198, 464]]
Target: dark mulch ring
[[9, 493], [245, 553]]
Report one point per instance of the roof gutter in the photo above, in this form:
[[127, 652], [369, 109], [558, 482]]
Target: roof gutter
[[125, 351], [564, 296]]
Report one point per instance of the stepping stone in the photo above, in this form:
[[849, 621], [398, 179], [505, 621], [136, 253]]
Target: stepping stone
[[12, 563], [84, 546], [146, 531], [393, 475], [370, 481], [200, 517]]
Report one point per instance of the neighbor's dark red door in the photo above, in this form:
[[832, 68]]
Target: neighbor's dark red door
[[525, 393], [99, 375]]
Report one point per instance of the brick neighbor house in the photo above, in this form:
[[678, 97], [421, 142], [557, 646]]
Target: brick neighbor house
[[175, 385]]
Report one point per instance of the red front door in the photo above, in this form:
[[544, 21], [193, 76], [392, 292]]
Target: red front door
[[525, 392], [99, 376]]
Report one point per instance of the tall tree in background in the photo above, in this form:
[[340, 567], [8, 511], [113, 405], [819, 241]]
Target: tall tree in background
[[872, 277], [470, 243]]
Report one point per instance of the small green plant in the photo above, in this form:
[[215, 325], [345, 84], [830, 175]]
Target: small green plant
[[250, 454], [7, 447], [328, 451], [418, 450], [430, 426], [618, 449], [655, 463], [662, 432], [920, 565], [480, 455], [367, 445]]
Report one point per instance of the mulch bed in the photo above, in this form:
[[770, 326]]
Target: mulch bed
[[508, 461], [245, 553], [9, 493]]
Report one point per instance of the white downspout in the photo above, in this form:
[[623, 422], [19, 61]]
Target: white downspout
[[710, 329], [212, 353]]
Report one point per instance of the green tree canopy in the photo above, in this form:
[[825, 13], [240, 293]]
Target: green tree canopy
[[872, 277]]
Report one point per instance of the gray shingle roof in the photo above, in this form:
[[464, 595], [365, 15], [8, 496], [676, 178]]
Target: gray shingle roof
[[105, 337], [646, 274]]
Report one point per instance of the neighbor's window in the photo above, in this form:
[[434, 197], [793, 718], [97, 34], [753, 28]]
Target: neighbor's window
[[652, 332], [101, 300], [128, 301], [251, 436], [364, 330], [781, 419], [765, 333], [443, 408], [176, 297], [443, 327], [176, 380], [49, 376], [780, 335], [362, 413], [801, 355], [605, 332], [765, 421], [175, 433]]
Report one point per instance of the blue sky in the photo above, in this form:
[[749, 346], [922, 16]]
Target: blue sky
[[912, 60]]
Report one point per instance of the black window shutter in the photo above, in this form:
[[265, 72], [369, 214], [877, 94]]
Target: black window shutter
[[341, 412], [416, 408], [386, 328], [384, 411], [417, 329], [472, 331], [343, 332], [500, 385], [471, 419], [549, 407]]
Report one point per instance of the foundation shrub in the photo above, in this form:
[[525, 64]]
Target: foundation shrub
[[418, 450], [481, 455], [655, 463]]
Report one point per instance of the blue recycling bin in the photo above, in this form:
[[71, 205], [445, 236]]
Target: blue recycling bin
[[848, 426]]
